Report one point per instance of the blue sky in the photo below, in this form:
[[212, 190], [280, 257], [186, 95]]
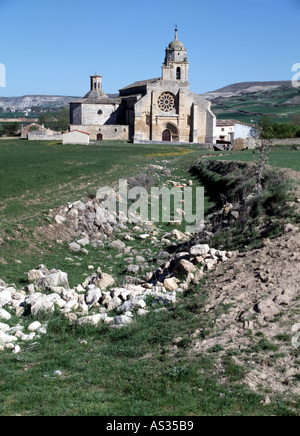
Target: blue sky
[[52, 47]]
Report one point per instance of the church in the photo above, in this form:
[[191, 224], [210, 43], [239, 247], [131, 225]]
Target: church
[[154, 110]]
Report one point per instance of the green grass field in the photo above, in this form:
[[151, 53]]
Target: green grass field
[[280, 157], [130, 372], [251, 107]]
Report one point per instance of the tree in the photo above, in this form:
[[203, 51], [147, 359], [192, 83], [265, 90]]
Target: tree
[[9, 129], [58, 121], [261, 157], [273, 130]]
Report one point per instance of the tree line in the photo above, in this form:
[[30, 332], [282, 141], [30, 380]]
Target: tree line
[[58, 121], [273, 130]]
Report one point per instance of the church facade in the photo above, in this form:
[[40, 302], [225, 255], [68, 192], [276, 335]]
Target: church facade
[[154, 110]]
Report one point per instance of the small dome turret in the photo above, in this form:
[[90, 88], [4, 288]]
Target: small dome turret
[[176, 45]]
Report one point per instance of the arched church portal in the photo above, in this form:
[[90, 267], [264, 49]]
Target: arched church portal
[[170, 133], [166, 135]]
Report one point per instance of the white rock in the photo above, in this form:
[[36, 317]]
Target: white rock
[[134, 303], [185, 266], [58, 278], [129, 238], [17, 349], [92, 320], [122, 320], [145, 236], [83, 242], [80, 289], [142, 312], [42, 306], [4, 314], [108, 320], [93, 295], [34, 326], [59, 219], [114, 303], [170, 284], [105, 281], [169, 298], [31, 336], [4, 327], [71, 305], [199, 250], [34, 275], [5, 297], [74, 247], [6, 339], [60, 303], [118, 245]]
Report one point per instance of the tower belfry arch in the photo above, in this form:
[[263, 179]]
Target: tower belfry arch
[[176, 65]]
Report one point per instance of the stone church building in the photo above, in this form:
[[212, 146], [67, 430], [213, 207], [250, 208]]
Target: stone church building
[[162, 109]]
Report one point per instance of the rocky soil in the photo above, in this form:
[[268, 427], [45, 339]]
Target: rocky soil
[[259, 292]]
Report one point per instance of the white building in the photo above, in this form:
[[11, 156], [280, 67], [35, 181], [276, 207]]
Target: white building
[[76, 137], [234, 133]]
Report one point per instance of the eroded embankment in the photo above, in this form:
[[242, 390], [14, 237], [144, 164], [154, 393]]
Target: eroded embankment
[[243, 216], [257, 293]]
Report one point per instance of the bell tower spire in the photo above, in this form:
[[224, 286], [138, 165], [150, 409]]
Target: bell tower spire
[[176, 65]]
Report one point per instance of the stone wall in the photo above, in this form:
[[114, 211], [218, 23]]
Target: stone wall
[[41, 136], [98, 114], [108, 132], [239, 144], [288, 141]]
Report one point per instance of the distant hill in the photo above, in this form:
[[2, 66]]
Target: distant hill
[[250, 101], [27, 101], [43, 101], [246, 87]]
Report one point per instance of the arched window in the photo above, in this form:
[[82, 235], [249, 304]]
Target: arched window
[[178, 73]]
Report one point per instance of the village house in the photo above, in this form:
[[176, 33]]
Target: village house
[[234, 134]]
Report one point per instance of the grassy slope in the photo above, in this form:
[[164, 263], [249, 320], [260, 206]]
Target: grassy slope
[[104, 372], [271, 103], [280, 157]]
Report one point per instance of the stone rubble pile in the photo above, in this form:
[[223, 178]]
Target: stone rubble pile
[[94, 225], [98, 299]]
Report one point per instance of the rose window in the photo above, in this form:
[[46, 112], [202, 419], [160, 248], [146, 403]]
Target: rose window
[[166, 102]]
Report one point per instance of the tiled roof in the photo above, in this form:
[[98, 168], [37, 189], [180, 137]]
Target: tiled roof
[[141, 83]]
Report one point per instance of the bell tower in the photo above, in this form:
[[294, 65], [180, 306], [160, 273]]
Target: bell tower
[[96, 91], [176, 65], [96, 83]]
